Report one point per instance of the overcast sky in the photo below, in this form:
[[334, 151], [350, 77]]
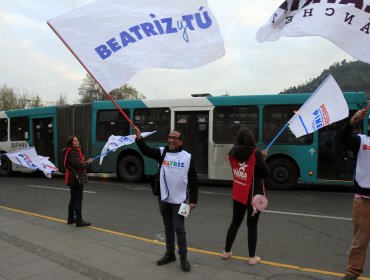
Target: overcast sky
[[32, 58]]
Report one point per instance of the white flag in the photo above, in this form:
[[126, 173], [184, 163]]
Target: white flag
[[345, 23], [116, 39], [29, 159], [325, 106], [47, 164], [116, 141]]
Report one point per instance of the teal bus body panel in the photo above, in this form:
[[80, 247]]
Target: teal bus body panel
[[40, 112], [277, 99], [301, 156]]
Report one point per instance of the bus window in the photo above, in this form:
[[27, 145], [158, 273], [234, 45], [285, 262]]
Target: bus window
[[111, 122], [227, 121], [158, 119], [19, 129], [274, 118], [3, 130]]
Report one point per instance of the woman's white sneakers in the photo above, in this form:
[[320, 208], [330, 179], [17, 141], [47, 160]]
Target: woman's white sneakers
[[253, 261], [226, 255]]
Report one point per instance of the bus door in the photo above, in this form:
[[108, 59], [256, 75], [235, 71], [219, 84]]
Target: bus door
[[194, 126], [334, 162], [43, 137]]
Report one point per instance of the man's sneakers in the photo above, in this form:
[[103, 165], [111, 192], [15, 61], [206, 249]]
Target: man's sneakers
[[71, 221], [170, 257], [82, 223], [349, 277], [167, 258], [79, 223]]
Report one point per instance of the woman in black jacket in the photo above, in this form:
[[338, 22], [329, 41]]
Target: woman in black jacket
[[75, 177], [246, 181]]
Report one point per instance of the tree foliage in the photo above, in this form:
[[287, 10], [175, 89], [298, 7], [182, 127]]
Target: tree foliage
[[11, 98], [62, 100], [350, 76], [90, 91]]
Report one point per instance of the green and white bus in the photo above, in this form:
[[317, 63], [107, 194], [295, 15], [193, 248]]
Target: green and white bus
[[209, 124]]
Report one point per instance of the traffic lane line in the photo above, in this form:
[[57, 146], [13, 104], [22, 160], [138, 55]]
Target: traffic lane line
[[54, 188], [280, 265]]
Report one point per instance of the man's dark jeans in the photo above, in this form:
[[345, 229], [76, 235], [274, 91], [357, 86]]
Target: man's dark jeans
[[75, 202], [173, 223]]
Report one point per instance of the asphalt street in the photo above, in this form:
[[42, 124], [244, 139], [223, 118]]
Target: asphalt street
[[306, 228]]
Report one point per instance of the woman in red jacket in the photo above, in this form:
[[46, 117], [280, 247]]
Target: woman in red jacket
[[249, 169], [75, 177]]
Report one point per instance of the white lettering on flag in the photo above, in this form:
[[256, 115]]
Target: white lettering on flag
[[345, 23], [116, 39], [325, 106], [116, 141], [29, 159]]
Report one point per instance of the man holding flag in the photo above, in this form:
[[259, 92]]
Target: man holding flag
[[360, 145]]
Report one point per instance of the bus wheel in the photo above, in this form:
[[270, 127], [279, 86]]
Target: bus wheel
[[130, 169], [6, 166], [283, 174]]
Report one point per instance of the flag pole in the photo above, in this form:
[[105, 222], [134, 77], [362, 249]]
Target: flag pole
[[103, 154], [277, 135], [79, 60]]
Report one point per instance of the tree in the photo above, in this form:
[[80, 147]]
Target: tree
[[11, 98], [90, 91], [350, 76], [62, 100], [8, 98]]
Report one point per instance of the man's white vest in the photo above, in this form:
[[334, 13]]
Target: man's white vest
[[174, 176], [363, 163]]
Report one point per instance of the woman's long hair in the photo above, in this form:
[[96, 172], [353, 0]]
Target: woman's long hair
[[245, 138], [69, 143]]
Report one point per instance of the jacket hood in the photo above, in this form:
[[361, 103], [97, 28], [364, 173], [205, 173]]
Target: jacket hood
[[241, 153]]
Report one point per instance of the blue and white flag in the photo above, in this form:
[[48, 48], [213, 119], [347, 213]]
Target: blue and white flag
[[116, 141], [114, 39], [345, 23], [29, 159], [325, 106]]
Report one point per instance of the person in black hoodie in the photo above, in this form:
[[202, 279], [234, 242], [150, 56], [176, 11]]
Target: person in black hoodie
[[359, 144], [249, 169]]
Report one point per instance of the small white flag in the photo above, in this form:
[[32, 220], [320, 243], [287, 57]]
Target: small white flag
[[116, 141], [116, 39], [325, 106], [29, 159], [345, 23]]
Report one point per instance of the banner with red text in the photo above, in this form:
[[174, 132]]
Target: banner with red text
[[29, 159], [325, 106]]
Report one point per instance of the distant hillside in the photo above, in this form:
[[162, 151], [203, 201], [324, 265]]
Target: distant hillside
[[350, 76]]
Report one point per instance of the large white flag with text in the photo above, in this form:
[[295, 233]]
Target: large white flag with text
[[325, 106], [115, 141], [29, 159], [345, 23], [116, 39]]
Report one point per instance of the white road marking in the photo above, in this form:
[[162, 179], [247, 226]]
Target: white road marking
[[60, 189], [308, 215]]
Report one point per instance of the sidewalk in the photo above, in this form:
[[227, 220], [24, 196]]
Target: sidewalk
[[43, 248]]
